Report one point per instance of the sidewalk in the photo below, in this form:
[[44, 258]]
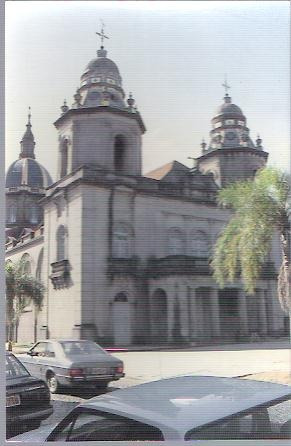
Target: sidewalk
[[282, 342]]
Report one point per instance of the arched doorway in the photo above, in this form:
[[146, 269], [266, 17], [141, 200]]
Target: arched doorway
[[121, 320], [159, 316]]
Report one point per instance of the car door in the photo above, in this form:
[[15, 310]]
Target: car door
[[47, 361]]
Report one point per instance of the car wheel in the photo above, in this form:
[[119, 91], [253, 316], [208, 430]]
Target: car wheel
[[52, 383]]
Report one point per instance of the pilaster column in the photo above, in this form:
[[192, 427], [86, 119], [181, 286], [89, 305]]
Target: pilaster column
[[214, 309], [184, 313], [263, 327], [170, 308], [243, 313], [193, 325]]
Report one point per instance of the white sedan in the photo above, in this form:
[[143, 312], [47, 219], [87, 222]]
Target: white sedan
[[181, 409]]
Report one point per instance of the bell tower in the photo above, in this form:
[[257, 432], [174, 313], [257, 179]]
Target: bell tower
[[100, 128], [231, 154]]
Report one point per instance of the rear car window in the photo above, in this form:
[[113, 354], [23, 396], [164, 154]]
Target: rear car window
[[14, 368], [81, 348], [100, 426], [271, 421]]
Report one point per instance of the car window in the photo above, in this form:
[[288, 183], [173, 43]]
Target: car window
[[39, 348], [80, 348], [271, 421], [50, 351], [14, 368], [100, 426]]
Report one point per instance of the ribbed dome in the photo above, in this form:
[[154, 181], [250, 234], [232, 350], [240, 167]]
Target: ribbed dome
[[102, 67], [27, 172], [227, 108], [102, 64]]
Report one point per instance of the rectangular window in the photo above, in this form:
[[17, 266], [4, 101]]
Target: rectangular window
[[229, 122]]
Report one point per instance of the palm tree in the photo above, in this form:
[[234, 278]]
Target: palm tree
[[261, 207], [21, 289]]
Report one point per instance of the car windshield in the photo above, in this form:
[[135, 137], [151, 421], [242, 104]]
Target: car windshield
[[81, 348], [14, 368]]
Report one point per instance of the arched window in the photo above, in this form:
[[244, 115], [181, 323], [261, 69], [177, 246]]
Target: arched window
[[119, 153], [176, 245], [199, 244], [121, 297], [12, 211], [26, 264], [64, 158], [122, 237], [61, 243]]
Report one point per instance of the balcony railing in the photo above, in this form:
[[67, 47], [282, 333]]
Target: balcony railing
[[122, 266], [178, 264], [60, 275]]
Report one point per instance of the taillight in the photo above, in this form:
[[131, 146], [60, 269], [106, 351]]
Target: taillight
[[119, 369], [76, 372]]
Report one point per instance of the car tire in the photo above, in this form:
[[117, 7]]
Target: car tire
[[52, 382]]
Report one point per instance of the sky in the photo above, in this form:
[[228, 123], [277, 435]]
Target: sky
[[172, 55]]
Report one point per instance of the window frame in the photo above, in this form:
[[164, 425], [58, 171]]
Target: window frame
[[244, 412]]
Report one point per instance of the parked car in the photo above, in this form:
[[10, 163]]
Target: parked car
[[72, 363], [182, 408], [27, 398]]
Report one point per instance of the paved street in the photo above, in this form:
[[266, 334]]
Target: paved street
[[225, 360]]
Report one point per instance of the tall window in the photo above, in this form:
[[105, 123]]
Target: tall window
[[199, 244], [122, 236], [33, 214], [119, 153], [176, 242], [61, 243], [11, 217], [64, 158]]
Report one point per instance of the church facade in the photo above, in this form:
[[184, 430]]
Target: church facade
[[125, 257]]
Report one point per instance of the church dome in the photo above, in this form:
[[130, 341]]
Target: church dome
[[102, 68], [103, 64], [27, 172], [228, 108]]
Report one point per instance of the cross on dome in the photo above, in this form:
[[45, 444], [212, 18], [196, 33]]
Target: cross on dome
[[226, 86], [101, 34]]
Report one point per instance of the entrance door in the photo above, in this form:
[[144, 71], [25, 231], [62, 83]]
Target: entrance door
[[121, 320], [159, 316], [229, 315]]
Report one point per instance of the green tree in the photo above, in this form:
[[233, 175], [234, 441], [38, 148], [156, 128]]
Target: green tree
[[21, 289], [260, 208]]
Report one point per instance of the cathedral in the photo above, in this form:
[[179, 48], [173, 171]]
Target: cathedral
[[124, 257]]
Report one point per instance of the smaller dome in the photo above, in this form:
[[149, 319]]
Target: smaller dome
[[27, 172]]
